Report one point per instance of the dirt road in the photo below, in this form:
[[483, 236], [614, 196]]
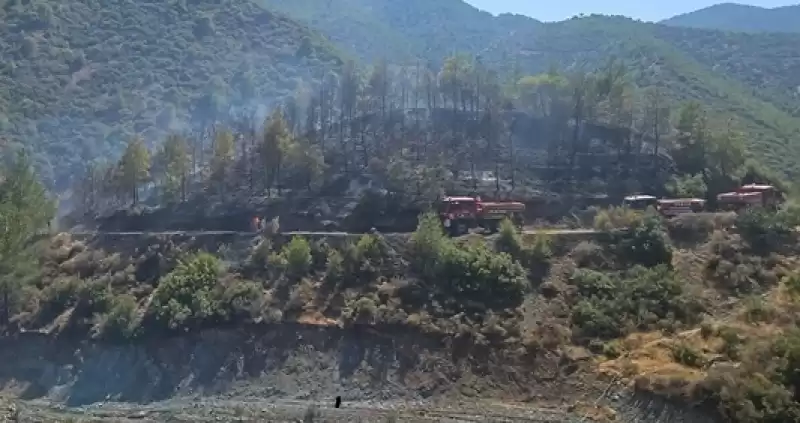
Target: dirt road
[[307, 233], [212, 409]]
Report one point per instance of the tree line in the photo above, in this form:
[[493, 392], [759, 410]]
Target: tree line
[[415, 127], [25, 210]]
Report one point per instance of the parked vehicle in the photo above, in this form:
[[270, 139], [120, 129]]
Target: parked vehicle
[[667, 207], [671, 207], [460, 214], [749, 196], [640, 202]]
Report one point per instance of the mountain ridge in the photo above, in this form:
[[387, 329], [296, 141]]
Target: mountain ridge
[[741, 18], [753, 78]]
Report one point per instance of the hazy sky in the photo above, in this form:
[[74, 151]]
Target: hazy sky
[[556, 10]]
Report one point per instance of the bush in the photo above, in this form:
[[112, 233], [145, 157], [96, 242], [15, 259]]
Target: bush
[[185, 295], [616, 218], [763, 230], [365, 261], [259, 258], [611, 305], [685, 354], [590, 255], [364, 310], [509, 240], [465, 277], [757, 310], [335, 271], [121, 320], [296, 257], [644, 243], [477, 276], [534, 255], [791, 283], [427, 243], [692, 227], [193, 295], [733, 268], [763, 388]]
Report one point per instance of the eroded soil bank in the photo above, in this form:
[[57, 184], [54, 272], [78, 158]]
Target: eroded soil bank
[[279, 372]]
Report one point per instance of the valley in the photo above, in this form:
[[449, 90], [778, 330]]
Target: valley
[[238, 211]]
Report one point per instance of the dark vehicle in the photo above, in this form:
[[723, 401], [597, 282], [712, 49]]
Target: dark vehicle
[[640, 202]]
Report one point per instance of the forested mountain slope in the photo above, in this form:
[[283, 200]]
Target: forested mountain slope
[[404, 30], [78, 78], [741, 17], [752, 78]]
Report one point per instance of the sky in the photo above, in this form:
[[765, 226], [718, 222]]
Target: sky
[[556, 10]]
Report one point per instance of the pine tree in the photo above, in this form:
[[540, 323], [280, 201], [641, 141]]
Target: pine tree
[[273, 148], [25, 209], [134, 167], [223, 158], [173, 159]]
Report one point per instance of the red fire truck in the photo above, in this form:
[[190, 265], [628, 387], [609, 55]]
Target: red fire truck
[[748, 196], [460, 214]]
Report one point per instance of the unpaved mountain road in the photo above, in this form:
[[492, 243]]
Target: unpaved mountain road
[[306, 233], [229, 410]]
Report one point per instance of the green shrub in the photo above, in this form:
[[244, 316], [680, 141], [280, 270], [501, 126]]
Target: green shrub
[[296, 256], [792, 284], [685, 354], [590, 255], [465, 277], [644, 243], [477, 276], [616, 218], [335, 270], [763, 388], [611, 305], [121, 320], [259, 258], [366, 260], [692, 227], [238, 300], [509, 240], [185, 296], [733, 267], [534, 255], [763, 230], [427, 244], [757, 310], [364, 310]]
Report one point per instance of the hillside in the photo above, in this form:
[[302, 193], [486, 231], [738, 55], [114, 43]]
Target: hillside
[[752, 79], [689, 309], [404, 31], [80, 77], [740, 17]]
